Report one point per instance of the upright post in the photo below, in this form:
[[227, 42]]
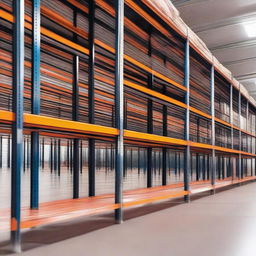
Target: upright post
[[59, 156], [75, 117], [17, 127], [213, 172], [81, 156], [164, 152], [55, 156], [91, 99], [1, 151], [9, 152], [240, 137], [68, 151], [43, 144], [51, 155], [187, 156], [232, 131], [119, 109], [35, 151]]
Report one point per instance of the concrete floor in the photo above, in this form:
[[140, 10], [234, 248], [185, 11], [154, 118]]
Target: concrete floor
[[223, 224]]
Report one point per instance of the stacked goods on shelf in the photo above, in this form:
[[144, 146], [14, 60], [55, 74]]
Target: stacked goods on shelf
[[200, 129], [251, 120], [223, 136], [6, 55], [235, 107], [200, 167], [200, 83], [222, 98]]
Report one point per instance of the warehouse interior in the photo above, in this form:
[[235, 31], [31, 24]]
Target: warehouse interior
[[127, 122]]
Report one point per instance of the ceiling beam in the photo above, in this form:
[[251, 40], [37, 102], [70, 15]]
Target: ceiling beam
[[241, 44], [246, 77], [182, 3], [234, 62], [249, 17]]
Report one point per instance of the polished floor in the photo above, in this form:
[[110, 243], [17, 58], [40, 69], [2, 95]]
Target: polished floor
[[223, 224]]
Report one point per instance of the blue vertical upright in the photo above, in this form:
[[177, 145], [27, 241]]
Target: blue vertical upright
[[35, 154], [232, 131], [187, 162], [17, 128], [75, 117], [119, 106], [213, 173], [240, 136], [91, 98]]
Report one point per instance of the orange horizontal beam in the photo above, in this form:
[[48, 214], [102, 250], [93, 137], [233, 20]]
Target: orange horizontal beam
[[7, 16], [222, 122], [196, 111], [171, 194], [39, 121], [153, 138], [66, 125], [154, 93]]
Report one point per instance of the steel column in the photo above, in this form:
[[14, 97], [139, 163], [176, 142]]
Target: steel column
[[68, 153], [75, 117], [232, 131], [91, 166], [9, 152], [17, 127], [213, 172], [35, 150], [1, 151], [81, 156], [43, 147], [91, 98], [187, 156], [149, 167], [59, 156], [51, 155], [119, 106], [149, 130], [164, 152], [149, 117], [55, 155], [240, 137]]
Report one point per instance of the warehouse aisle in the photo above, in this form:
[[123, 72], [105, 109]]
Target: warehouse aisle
[[223, 225]]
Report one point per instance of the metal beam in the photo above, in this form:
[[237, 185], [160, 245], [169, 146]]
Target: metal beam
[[241, 44], [183, 3], [119, 106], [17, 127], [245, 77], [35, 146], [236, 20], [234, 62]]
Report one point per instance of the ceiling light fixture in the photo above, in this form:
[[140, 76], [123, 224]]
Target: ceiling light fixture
[[250, 28]]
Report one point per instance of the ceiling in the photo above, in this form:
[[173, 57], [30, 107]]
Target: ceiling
[[221, 24]]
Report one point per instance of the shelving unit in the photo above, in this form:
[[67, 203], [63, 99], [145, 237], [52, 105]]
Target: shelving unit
[[182, 124]]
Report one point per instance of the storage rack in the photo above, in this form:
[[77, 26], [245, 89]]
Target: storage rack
[[179, 112]]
